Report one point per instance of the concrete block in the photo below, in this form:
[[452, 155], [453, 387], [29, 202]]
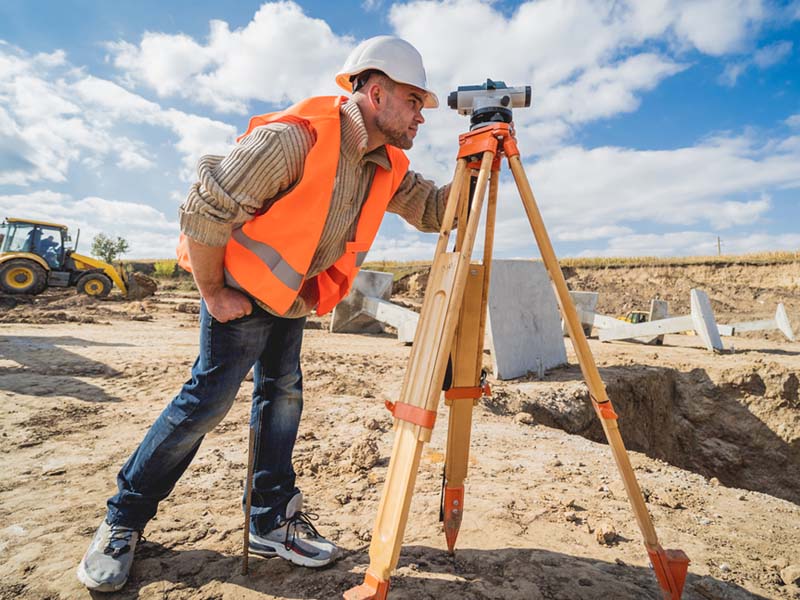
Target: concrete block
[[523, 322], [350, 315], [659, 309], [585, 303]]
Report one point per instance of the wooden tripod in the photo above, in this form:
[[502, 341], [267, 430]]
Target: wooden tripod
[[452, 323]]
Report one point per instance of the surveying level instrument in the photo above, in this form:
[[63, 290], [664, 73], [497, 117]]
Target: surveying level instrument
[[451, 330], [490, 102]]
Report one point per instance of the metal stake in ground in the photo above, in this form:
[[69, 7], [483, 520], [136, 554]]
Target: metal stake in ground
[[248, 503]]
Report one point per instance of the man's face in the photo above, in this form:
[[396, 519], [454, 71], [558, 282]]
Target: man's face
[[401, 115]]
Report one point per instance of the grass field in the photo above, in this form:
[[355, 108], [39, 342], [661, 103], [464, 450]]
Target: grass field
[[167, 268]]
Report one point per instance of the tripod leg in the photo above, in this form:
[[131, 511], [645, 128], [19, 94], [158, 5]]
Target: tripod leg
[[670, 566], [461, 398], [467, 372], [416, 410]]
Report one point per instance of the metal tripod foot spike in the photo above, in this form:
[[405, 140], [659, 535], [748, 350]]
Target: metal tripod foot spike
[[451, 328], [453, 511]]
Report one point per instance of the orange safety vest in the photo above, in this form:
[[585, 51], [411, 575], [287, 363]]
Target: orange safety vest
[[268, 257]]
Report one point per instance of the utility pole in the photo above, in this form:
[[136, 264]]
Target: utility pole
[[719, 247]]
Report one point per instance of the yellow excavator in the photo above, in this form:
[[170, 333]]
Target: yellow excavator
[[34, 256]]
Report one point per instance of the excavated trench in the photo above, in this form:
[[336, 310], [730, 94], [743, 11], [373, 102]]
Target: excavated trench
[[743, 429]]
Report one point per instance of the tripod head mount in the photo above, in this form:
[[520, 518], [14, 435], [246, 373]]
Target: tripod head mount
[[490, 102]]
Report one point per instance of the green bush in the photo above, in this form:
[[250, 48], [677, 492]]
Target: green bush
[[165, 268]]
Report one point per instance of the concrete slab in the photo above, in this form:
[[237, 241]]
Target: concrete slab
[[701, 320], [780, 322], [523, 320], [350, 315], [632, 330], [403, 319], [704, 322]]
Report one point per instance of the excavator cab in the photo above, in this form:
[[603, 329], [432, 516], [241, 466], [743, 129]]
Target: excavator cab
[[46, 240]]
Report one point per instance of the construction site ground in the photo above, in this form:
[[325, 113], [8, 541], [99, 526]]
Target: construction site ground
[[714, 441]]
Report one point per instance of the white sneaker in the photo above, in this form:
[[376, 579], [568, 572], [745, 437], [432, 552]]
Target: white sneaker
[[107, 562], [296, 539]]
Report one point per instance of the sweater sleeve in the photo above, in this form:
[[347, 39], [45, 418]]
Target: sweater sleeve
[[420, 202], [230, 190]]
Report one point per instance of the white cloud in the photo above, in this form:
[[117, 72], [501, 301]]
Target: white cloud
[[606, 91], [198, 136], [734, 21], [682, 186], [149, 232], [165, 63], [52, 115], [772, 54], [281, 56], [126, 216], [730, 75], [586, 59], [131, 160], [585, 233], [763, 58], [409, 246], [607, 192], [694, 243]]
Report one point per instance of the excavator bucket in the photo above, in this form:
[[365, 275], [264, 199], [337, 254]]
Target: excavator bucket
[[133, 290], [139, 285], [670, 568]]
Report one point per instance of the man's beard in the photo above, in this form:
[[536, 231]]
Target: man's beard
[[395, 135]]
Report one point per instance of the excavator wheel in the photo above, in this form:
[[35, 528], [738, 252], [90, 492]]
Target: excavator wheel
[[94, 284], [22, 276]]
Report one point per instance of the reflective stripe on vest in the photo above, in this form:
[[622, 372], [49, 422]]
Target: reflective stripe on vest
[[271, 259]]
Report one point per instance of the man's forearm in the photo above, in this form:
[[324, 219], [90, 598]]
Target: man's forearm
[[420, 202], [206, 262]]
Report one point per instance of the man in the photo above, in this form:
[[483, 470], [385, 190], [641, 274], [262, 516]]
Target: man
[[271, 232], [49, 250]]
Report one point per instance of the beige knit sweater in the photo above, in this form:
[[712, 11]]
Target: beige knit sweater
[[266, 164]]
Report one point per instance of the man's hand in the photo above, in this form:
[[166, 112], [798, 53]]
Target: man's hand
[[226, 304]]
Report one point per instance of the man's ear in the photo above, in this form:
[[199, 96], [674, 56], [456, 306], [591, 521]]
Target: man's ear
[[375, 95]]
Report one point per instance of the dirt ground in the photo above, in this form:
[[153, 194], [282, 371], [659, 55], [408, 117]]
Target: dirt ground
[[714, 441]]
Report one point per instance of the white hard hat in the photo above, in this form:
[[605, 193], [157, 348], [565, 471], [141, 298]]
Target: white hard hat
[[398, 59]]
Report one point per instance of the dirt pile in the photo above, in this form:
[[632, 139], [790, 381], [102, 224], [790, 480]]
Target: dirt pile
[[59, 305], [737, 292], [742, 428], [751, 291]]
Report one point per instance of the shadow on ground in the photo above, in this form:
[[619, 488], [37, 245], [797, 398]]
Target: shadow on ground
[[423, 573], [50, 369]]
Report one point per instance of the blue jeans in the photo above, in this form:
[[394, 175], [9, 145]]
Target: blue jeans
[[227, 351]]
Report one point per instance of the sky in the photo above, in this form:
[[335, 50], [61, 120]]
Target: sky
[[657, 128]]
